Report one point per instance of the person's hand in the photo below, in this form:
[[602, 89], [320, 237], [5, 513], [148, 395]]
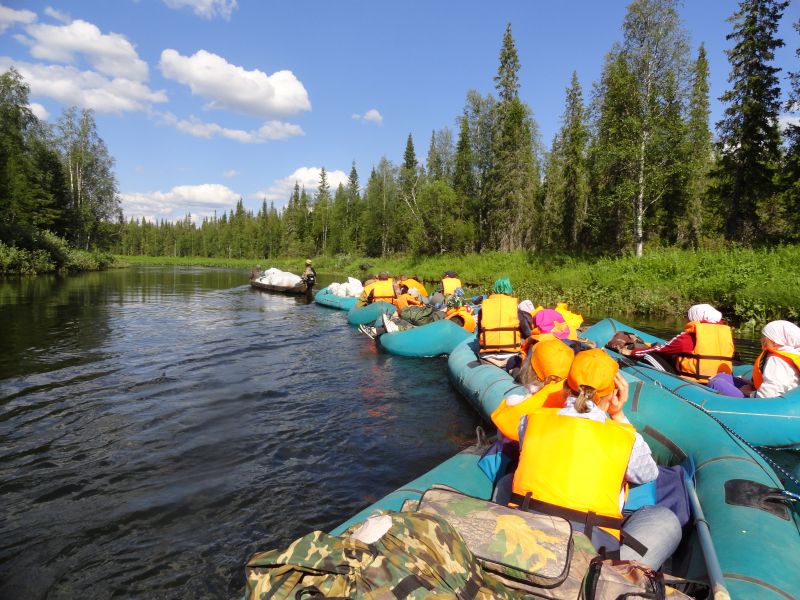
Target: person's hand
[[625, 351], [619, 397]]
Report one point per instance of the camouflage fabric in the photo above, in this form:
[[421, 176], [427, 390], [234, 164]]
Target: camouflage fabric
[[420, 315], [608, 579], [526, 551], [420, 557]]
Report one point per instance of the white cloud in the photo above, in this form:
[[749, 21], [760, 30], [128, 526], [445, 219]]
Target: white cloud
[[230, 174], [198, 200], [57, 14], [785, 120], [307, 177], [228, 86], [40, 111], [208, 9], [111, 54], [371, 116], [9, 16], [87, 89], [271, 130]]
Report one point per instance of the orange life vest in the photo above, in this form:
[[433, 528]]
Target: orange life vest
[[403, 301], [499, 325], [758, 367], [506, 417], [712, 354], [413, 283], [382, 289], [574, 463], [449, 285], [464, 313]]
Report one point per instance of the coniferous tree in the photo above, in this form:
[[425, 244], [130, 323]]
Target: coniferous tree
[[573, 141], [464, 183], [749, 138], [790, 174], [512, 181], [434, 162], [700, 155], [354, 210], [321, 213]]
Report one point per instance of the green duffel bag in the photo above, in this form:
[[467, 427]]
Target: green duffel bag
[[416, 556], [527, 552], [420, 315]]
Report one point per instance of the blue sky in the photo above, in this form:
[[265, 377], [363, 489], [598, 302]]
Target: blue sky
[[202, 102]]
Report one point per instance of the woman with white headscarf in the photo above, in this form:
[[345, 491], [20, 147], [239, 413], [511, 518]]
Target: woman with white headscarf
[[777, 368], [703, 349]]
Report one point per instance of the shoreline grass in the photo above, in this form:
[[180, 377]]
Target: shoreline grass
[[749, 286]]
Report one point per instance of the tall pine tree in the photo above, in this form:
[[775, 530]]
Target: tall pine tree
[[749, 138]]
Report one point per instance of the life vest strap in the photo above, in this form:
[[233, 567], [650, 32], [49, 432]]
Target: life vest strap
[[589, 519], [490, 329], [703, 356]]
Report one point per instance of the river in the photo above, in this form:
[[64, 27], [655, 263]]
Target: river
[[159, 425]]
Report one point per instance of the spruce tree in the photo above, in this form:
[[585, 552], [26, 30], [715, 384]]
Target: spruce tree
[[574, 137], [749, 137], [434, 162], [790, 174]]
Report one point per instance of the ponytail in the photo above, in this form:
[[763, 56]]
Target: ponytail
[[586, 395]]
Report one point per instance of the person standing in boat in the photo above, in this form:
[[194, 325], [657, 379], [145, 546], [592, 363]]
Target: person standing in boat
[[309, 277], [701, 351], [777, 368], [576, 462]]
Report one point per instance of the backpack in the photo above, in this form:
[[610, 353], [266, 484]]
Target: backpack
[[419, 556], [609, 579]]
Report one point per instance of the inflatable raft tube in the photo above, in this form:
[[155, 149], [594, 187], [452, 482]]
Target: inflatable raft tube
[[366, 315], [757, 540], [432, 339], [325, 298], [771, 422]]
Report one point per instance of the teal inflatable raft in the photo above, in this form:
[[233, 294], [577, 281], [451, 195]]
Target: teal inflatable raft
[[773, 422], [756, 543], [432, 339], [366, 315], [324, 297]]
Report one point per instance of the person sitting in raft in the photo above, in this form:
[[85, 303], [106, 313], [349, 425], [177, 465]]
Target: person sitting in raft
[[406, 298], [703, 349], [413, 283], [450, 283], [777, 368], [543, 376], [381, 289], [499, 335], [462, 316], [575, 462]]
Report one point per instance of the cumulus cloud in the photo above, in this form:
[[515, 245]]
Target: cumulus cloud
[[271, 130], [199, 200], [111, 54], [87, 89], [307, 177], [9, 16], [208, 9], [371, 116], [39, 111], [229, 86], [57, 14], [230, 174], [785, 120]]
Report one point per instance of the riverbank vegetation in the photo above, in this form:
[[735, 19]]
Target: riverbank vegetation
[[749, 286], [634, 166]]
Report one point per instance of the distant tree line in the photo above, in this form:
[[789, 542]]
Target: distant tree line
[[635, 164]]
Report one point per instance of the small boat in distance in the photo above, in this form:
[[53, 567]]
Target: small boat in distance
[[282, 282]]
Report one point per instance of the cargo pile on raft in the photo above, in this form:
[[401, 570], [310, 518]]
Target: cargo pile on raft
[[620, 467]]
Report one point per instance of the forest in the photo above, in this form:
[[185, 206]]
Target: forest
[[635, 164]]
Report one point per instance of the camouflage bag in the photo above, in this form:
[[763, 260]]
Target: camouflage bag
[[419, 557], [527, 551], [609, 579]]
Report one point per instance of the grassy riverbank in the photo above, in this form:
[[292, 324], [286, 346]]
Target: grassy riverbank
[[51, 254], [749, 286]]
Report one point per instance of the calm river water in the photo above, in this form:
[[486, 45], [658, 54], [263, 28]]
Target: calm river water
[[159, 425]]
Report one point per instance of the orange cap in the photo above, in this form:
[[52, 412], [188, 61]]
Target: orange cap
[[551, 357], [594, 368]]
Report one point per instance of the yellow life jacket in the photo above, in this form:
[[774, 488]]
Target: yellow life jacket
[[499, 325], [403, 301], [506, 417], [576, 464], [758, 367], [463, 312], [413, 283], [382, 289], [712, 354], [449, 285]]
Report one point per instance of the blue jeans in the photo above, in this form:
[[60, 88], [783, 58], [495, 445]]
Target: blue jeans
[[656, 527]]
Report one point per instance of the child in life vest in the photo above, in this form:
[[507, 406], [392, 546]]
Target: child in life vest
[[777, 368], [576, 462]]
